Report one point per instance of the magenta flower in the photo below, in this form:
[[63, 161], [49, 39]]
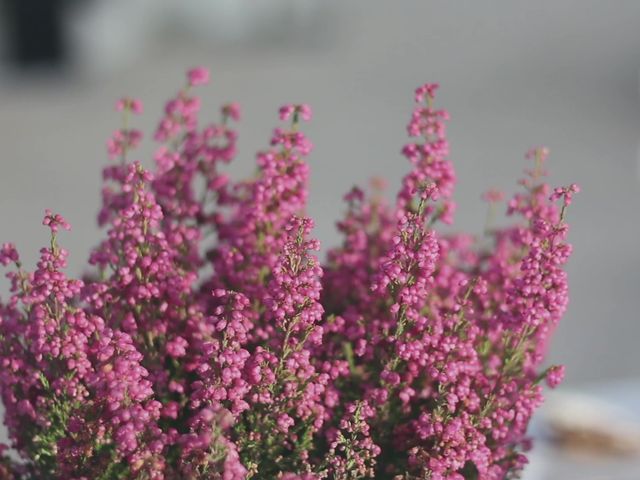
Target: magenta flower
[[198, 76], [130, 105], [210, 342]]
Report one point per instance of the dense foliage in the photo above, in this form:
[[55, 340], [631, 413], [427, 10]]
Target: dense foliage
[[208, 341]]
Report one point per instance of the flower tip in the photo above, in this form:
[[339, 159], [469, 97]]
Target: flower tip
[[231, 110], [286, 111], [132, 105], [305, 112], [54, 221], [198, 76], [428, 90], [302, 111], [8, 254], [555, 376]]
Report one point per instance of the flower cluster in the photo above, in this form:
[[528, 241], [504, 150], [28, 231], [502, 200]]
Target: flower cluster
[[76, 395], [208, 341]]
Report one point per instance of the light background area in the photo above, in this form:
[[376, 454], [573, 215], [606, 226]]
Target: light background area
[[513, 74]]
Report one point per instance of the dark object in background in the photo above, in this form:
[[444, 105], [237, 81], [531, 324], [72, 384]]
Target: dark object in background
[[35, 30]]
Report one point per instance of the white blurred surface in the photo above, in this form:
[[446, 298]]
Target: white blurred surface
[[615, 405]]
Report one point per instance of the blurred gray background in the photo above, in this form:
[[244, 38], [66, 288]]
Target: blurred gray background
[[514, 74]]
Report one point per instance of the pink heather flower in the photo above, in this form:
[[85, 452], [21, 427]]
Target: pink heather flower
[[286, 111], [122, 141], [428, 90], [8, 254], [428, 156], [303, 111], [55, 221], [352, 452], [129, 104], [284, 422], [566, 193], [96, 369], [198, 76], [232, 110], [177, 347], [555, 376], [210, 339]]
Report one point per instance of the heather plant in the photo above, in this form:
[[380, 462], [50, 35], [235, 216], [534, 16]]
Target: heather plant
[[208, 341]]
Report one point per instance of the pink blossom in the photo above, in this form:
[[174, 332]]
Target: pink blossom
[[232, 110], [302, 110], [129, 104], [8, 254], [555, 375], [209, 340], [198, 76]]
